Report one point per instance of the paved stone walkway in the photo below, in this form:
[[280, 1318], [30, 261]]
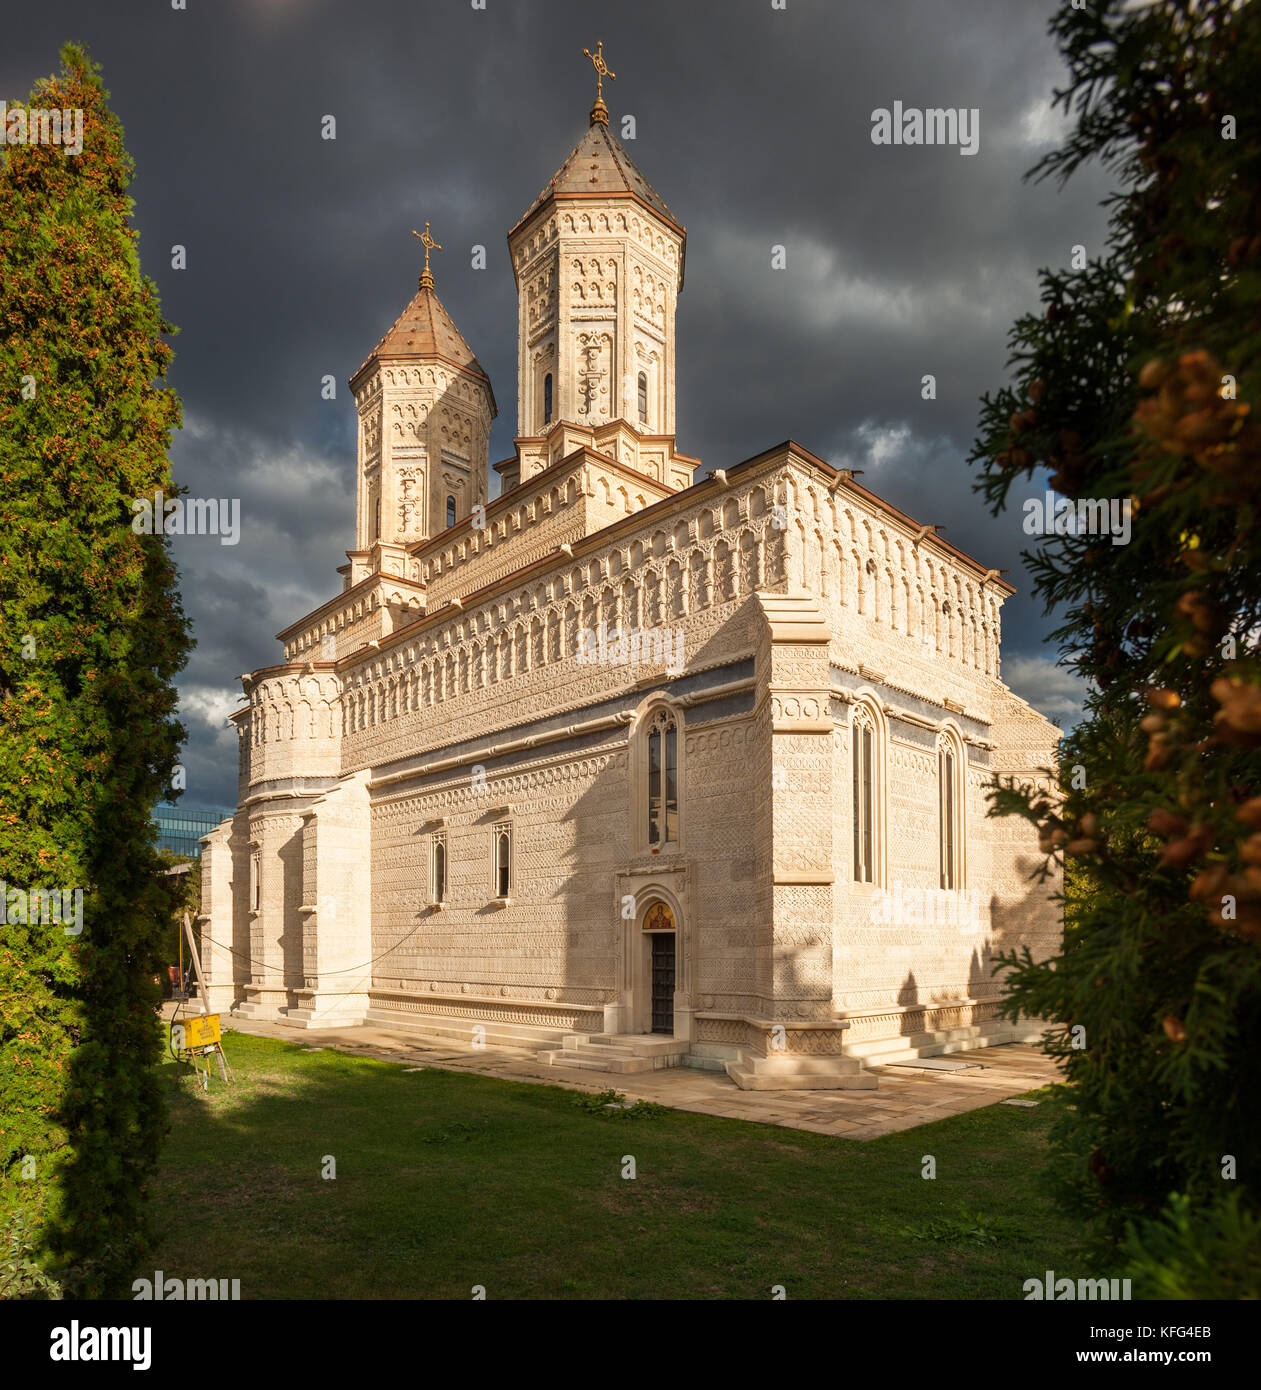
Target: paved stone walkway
[[906, 1097]]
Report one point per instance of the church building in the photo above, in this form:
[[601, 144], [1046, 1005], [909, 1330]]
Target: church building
[[632, 764]]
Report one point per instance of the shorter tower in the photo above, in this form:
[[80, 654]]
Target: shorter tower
[[425, 410]]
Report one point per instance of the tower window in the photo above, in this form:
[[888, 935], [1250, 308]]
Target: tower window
[[643, 398], [450, 511], [547, 399], [376, 518]]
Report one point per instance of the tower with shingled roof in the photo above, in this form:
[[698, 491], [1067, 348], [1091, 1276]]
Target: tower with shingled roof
[[425, 409], [598, 260]]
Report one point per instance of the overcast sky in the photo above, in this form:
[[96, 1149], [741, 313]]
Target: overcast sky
[[753, 123]]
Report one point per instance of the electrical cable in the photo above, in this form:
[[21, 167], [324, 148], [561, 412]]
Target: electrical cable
[[350, 970]]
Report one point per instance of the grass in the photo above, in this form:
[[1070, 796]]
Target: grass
[[446, 1180]]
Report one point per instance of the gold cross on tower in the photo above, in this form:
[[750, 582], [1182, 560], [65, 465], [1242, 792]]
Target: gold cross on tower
[[599, 112], [426, 276]]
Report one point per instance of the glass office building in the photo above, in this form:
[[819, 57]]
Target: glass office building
[[181, 827]]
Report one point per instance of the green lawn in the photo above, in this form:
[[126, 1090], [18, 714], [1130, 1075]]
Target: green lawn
[[447, 1180]]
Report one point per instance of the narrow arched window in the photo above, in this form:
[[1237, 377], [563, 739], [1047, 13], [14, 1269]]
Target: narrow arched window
[[450, 511], [864, 799], [867, 760], [502, 846], [643, 398], [439, 888], [946, 775], [547, 399], [950, 812], [663, 780], [376, 518]]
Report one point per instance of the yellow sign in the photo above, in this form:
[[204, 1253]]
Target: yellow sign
[[199, 1030]]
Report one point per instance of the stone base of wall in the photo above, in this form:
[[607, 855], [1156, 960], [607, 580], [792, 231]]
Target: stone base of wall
[[411, 1004], [903, 1032], [221, 998], [315, 1010], [262, 1002], [761, 1054]]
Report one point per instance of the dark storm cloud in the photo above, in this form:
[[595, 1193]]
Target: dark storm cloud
[[753, 124]]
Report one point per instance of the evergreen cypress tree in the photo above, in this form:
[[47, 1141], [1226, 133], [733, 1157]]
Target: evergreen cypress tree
[[92, 635], [1137, 381]]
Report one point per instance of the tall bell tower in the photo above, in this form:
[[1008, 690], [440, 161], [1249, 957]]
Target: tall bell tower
[[598, 260], [425, 409]]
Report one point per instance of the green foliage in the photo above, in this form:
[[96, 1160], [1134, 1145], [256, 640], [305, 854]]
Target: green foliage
[[22, 1272], [1136, 381], [1190, 1252], [91, 637], [973, 1227], [611, 1104]]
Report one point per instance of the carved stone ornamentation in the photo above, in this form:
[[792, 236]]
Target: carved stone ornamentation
[[482, 794]]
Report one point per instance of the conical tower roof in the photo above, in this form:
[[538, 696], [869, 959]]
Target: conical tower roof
[[425, 329], [598, 166]]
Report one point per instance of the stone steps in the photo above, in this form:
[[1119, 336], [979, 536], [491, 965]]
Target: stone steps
[[748, 1080], [754, 1072], [446, 1030], [875, 1052], [799, 1066], [618, 1054]]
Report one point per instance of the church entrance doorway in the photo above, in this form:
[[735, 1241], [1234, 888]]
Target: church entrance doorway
[[659, 929], [657, 972], [663, 982]]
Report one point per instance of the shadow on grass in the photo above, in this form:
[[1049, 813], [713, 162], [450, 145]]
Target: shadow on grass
[[445, 1181]]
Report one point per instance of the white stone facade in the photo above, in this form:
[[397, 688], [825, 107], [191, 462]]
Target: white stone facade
[[450, 787]]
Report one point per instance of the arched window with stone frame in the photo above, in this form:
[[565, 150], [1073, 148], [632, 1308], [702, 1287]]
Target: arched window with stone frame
[[438, 870], [256, 880], [657, 756], [867, 779], [501, 861], [951, 763]]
